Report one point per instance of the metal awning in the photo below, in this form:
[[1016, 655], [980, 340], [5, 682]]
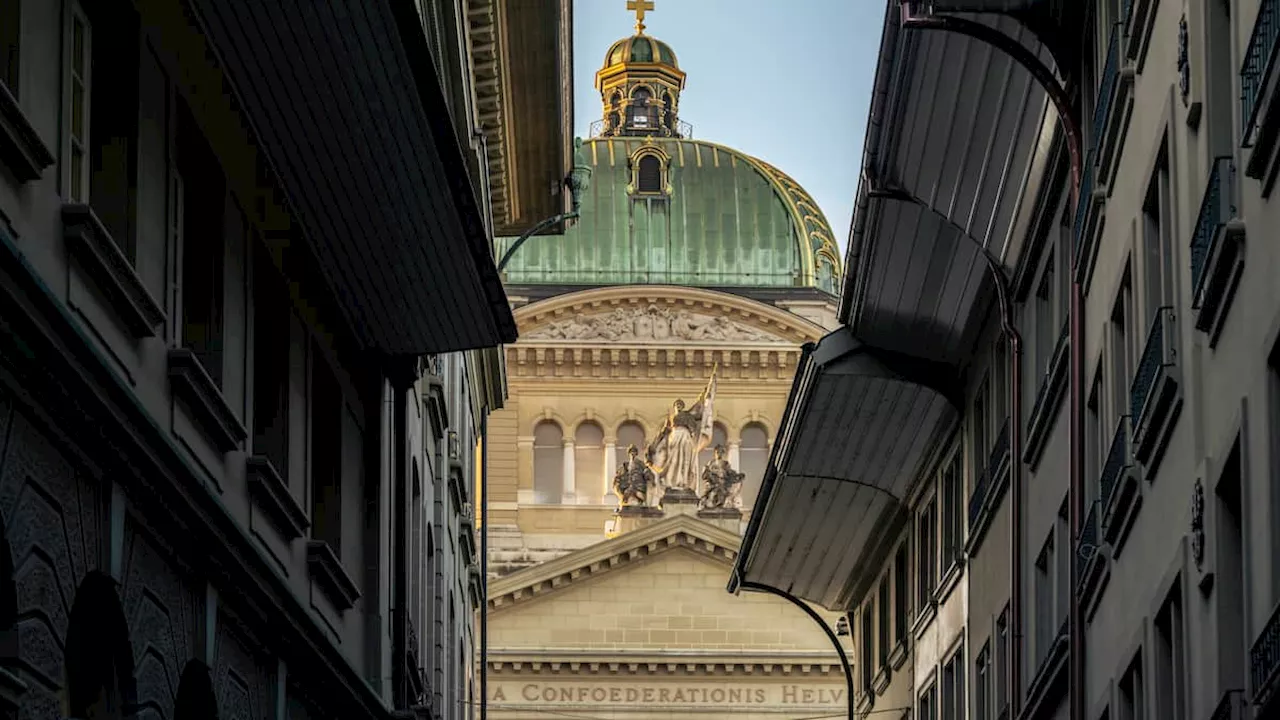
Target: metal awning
[[347, 104], [859, 425], [956, 128]]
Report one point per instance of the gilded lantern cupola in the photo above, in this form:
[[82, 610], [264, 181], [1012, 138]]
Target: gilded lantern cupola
[[640, 85]]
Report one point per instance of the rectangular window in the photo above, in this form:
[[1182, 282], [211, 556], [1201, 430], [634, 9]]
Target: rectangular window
[[882, 624], [1046, 326], [953, 694], [1157, 240], [271, 350], [1229, 552], [982, 684], [929, 703], [900, 590], [103, 109], [1123, 352], [204, 207], [1093, 442], [1044, 618], [1002, 662], [78, 77], [980, 422], [1132, 703], [868, 649], [10, 38], [326, 453], [952, 513], [1063, 572], [926, 545], [1171, 659]]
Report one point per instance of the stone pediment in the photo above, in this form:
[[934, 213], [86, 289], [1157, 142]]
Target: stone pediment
[[645, 619], [679, 532], [659, 315]]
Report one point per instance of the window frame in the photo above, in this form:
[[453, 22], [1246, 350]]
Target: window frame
[[982, 683], [927, 551], [77, 149], [11, 46]]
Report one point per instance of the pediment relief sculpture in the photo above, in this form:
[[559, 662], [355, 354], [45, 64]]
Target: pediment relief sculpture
[[651, 323]]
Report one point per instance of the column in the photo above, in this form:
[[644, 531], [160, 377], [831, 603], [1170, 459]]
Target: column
[[734, 456], [610, 468], [570, 490]]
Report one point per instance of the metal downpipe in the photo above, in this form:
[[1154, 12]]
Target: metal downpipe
[[816, 618], [1061, 100], [484, 564]]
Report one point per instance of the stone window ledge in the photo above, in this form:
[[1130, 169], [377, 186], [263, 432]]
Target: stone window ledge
[[21, 149], [193, 384], [269, 491], [327, 570], [100, 256]]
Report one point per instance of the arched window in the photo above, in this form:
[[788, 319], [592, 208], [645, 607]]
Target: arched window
[[548, 463], [649, 174], [196, 699], [668, 113], [629, 433], [753, 455], [97, 656], [719, 436], [588, 463], [642, 113]]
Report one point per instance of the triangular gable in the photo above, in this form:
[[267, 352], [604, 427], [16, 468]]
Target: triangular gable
[[679, 532]]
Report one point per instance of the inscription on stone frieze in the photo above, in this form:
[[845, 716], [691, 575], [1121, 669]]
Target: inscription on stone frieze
[[725, 694]]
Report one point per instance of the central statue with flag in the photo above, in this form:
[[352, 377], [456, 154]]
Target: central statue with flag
[[673, 454]]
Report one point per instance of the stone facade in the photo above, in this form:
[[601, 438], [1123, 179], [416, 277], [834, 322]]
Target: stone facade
[[639, 626], [223, 490]]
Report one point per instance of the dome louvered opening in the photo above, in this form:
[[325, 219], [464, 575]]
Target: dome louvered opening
[[649, 175]]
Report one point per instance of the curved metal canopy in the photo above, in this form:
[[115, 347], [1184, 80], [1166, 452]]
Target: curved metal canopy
[[956, 128], [859, 424]]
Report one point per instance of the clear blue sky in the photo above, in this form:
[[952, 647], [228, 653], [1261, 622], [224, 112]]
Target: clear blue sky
[[787, 81]]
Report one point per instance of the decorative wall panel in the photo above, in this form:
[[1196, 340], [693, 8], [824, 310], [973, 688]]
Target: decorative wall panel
[[53, 516], [241, 677], [162, 608]]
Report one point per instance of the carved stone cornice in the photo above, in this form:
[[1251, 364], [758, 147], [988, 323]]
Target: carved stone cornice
[[635, 362], [614, 662]]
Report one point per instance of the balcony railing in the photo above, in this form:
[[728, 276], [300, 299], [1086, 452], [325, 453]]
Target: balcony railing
[[1106, 89], [1264, 659], [987, 480], [1087, 544], [1082, 202], [629, 126], [1215, 210], [1257, 59], [1155, 356], [1117, 462]]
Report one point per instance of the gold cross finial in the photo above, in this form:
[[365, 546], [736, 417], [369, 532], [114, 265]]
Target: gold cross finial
[[640, 7]]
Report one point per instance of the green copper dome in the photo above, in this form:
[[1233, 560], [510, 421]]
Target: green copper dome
[[683, 212], [640, 49]]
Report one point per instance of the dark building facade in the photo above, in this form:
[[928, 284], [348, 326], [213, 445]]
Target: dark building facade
[[249, 315]]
